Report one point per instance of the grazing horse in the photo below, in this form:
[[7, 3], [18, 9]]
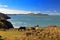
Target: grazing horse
[[32, 28], [22, 28]]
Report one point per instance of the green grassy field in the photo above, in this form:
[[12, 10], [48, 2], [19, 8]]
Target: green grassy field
[[47, 33]]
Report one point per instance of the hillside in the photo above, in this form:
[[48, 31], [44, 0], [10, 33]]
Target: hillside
[[47, 33]]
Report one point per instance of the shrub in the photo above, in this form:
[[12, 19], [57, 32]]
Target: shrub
[[1, 38]]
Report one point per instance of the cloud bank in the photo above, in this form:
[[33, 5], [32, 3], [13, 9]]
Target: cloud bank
[[3, 6], [11, 11], [4, 9], [54, 12]]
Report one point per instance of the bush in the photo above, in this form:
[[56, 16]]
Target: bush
[[1, 38]]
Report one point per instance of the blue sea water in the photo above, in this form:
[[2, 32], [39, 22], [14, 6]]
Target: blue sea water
[[28, 20]]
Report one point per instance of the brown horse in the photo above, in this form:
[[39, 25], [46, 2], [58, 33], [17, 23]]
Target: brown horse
[[22, 28]]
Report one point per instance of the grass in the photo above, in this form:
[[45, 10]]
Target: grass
[[48, 33]]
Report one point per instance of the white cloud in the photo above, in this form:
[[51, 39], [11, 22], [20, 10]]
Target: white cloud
[[3, 6], [3, 9], [54, 12], [11, 11]]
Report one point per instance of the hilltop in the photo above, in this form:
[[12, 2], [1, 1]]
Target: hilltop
[[37, 14], [32, 14]]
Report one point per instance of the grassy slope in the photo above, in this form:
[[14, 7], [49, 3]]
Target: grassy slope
[[49, 33]]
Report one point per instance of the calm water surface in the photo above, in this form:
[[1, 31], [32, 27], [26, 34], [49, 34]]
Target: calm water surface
[[28, 20]]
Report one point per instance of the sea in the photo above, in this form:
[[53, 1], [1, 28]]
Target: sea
[[29, 21]]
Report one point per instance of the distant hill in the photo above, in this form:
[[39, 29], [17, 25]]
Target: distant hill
[[38, 14], [32, 14]]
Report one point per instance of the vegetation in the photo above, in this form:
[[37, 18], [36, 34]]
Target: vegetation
[[1, 38], [47, 33]]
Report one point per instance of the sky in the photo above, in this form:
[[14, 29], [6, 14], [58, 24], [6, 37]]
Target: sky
[[51, 7]]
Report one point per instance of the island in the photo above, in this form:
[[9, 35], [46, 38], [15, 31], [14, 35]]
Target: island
[[38, 14]]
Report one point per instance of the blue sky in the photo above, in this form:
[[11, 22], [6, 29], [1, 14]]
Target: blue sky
[[44, 6]]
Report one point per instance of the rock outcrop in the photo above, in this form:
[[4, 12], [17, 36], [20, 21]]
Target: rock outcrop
[[4, 23]]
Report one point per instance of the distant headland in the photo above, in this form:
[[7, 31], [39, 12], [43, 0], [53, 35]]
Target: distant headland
[[38, 14], [32, 14]]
